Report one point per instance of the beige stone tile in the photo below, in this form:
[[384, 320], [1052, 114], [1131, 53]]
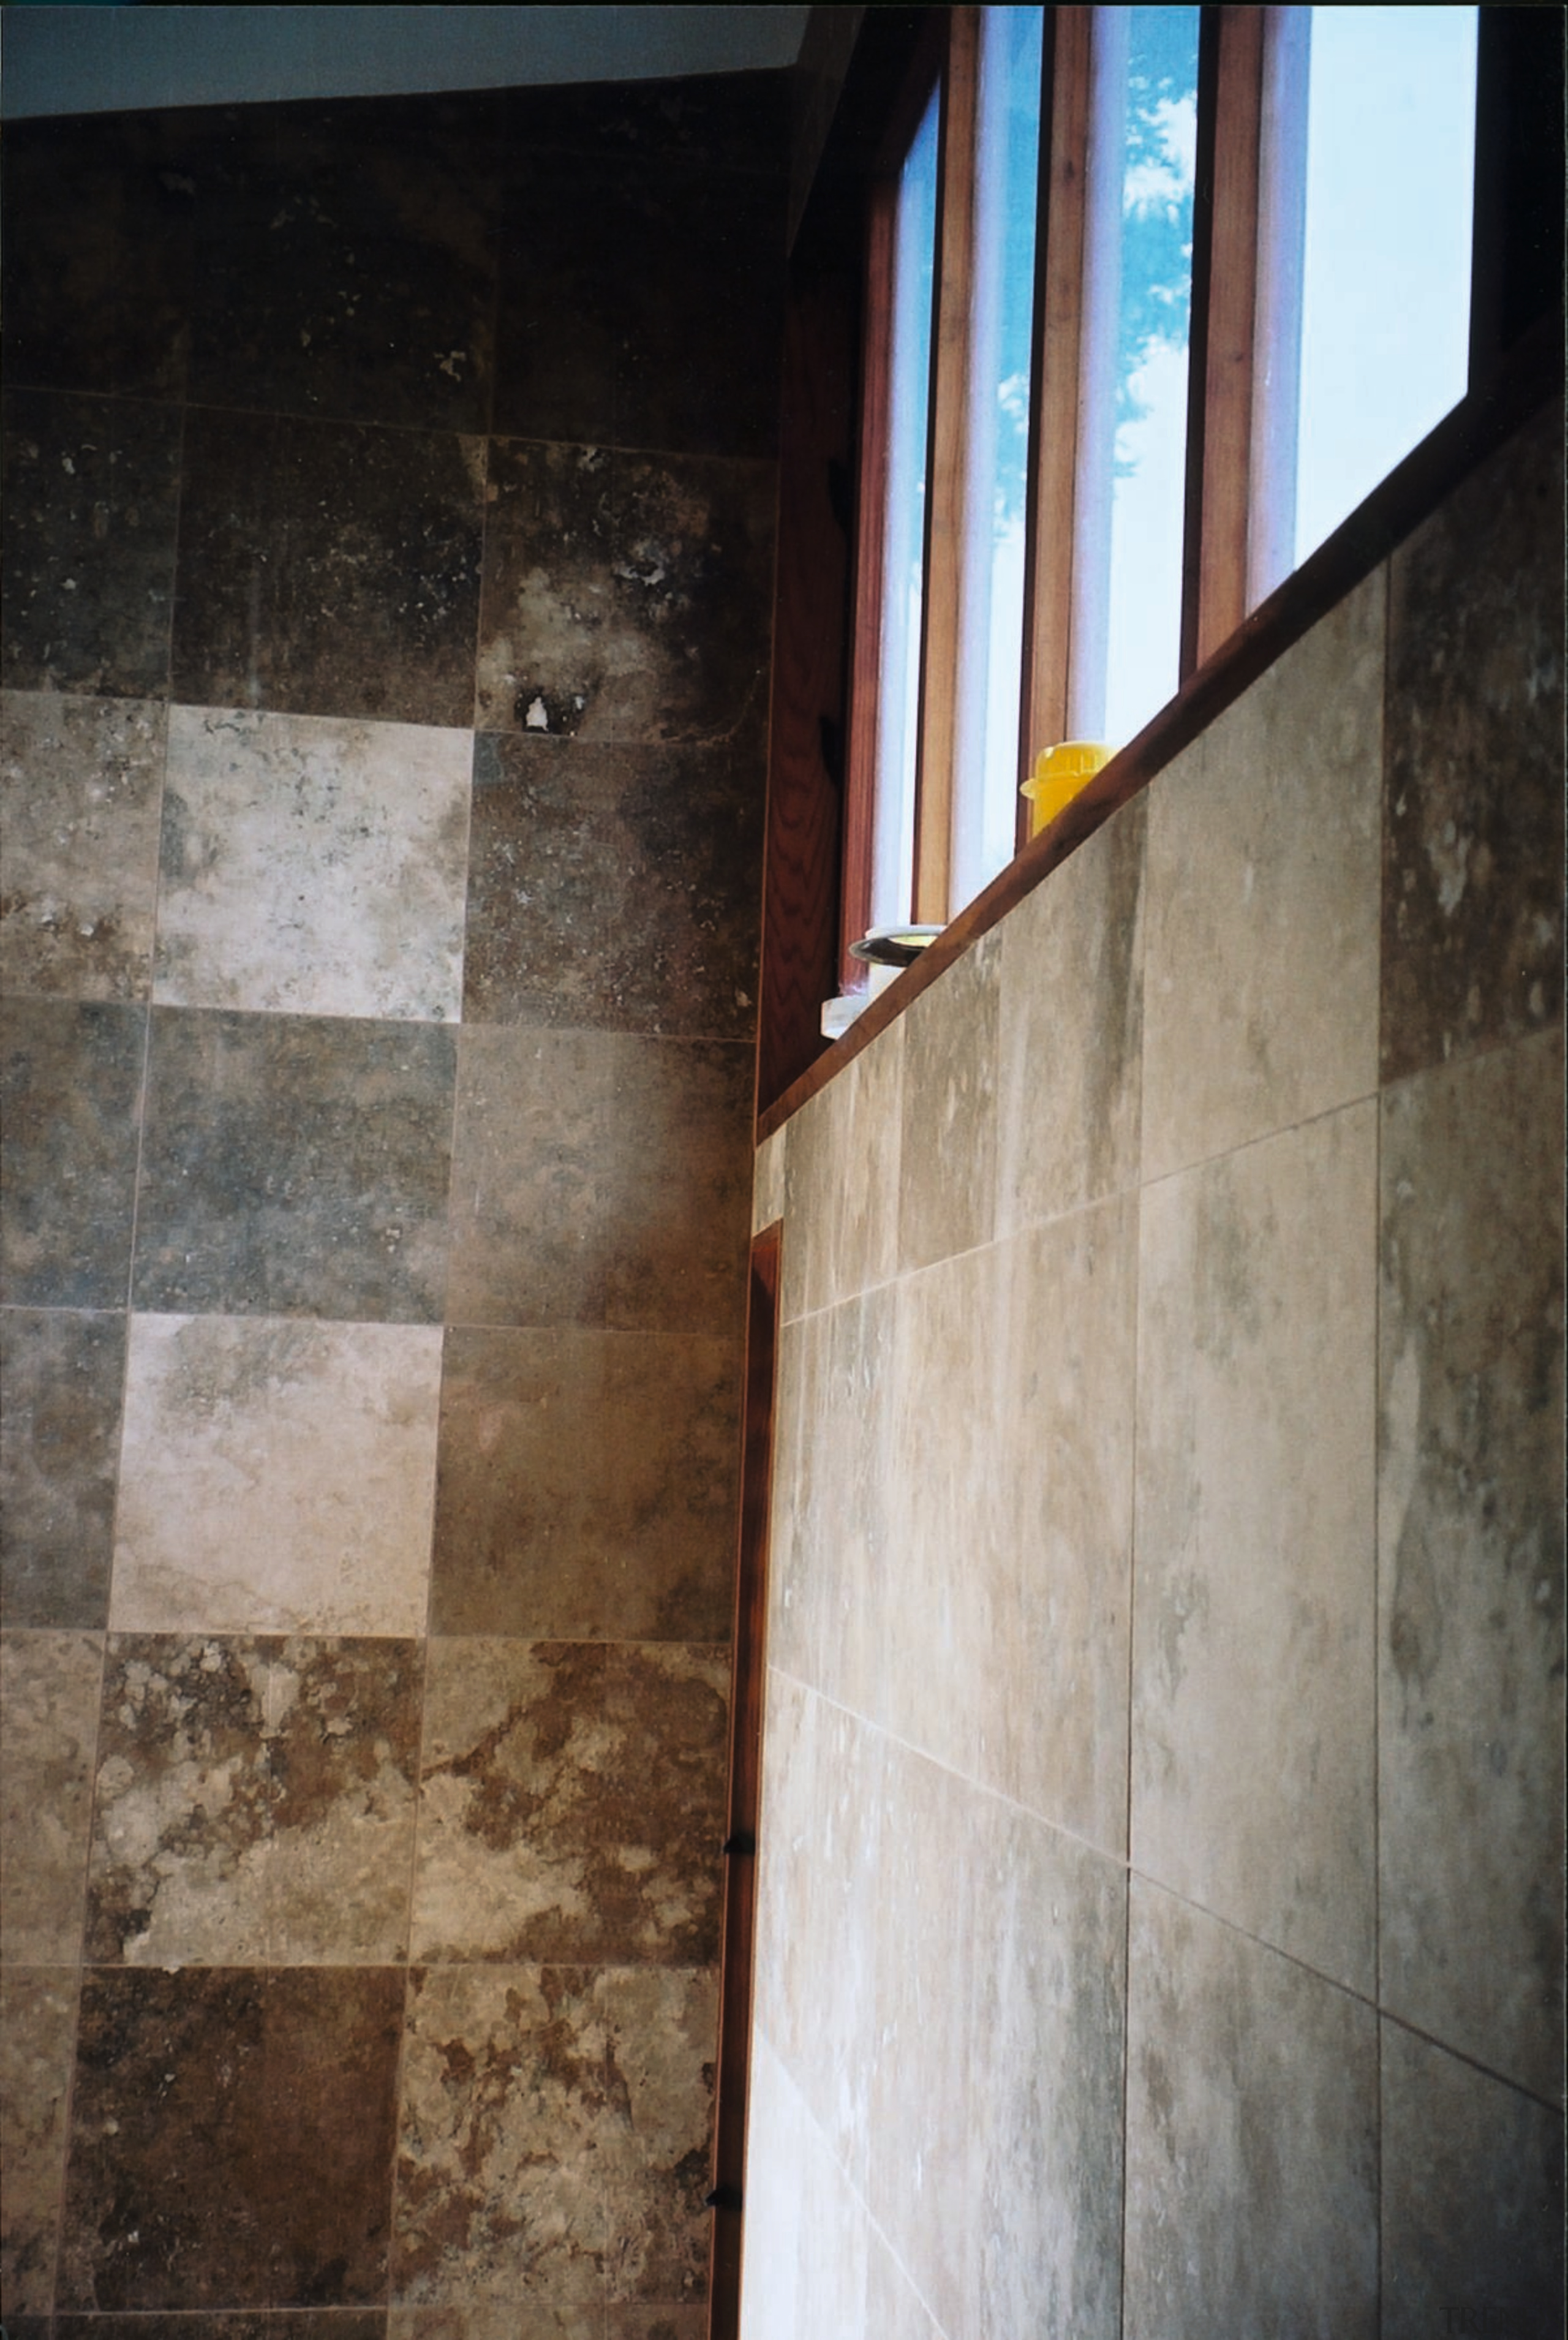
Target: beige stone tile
[[1470, 1558], [807, 2236], [1049, 2016], [656, 2150], [1052, 1515], [920, 2184], [278, 1475], [842, 1188], [505, 2083], [573, 1802], [1472, 2200], [1069, 1042], [80, 781], [831, 1558], [1261, 963], [769, 1180], [313, 865], [255, 1801], [894, 2308], [819, 1846], [1253, 1667], [49, 1719], [947, 1151], [1250, 2138], [37, 2030]]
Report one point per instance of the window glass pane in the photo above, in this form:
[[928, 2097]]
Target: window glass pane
[[1132, 467], [991, 605], [1385, 278], [904, 538]]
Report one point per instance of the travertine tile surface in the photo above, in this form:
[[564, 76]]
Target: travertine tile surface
[[1472, 2195], [278, 1476], [295, 1165], [557, 1220], [313, 866], [80, 782], [573, 1802], [49, 1719], [947, 1122], [1253, 1669], [1251, 2140], [586, 1485], [232, 2138], [37, 2027], [70, 1106], [1261, 962], [255, 1802], [1470, 1558], [63, 1371], [1070, 1031], [835, 1255], [1472, 852]]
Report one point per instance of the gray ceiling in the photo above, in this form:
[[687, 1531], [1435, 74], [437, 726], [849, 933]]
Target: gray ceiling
[[97, 60]]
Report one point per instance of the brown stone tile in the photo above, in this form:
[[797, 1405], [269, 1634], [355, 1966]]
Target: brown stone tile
[[499, 2319], [1473, 821], [255, 1802], [1472, 2200], [92, 494], [284, 2323], [1470, 1558], [295, 1165], [37, 2027], [572, 1802], [506, 2088], [97, 288], [661, 2033], [641, 308], [599, 1179], [1251, 2138], [328, 568], [728, 121], [671, 2321], [586, 1485], [233, 2137], [626, 596], [614, 886], [59, 1448], [947, 1148], [79, 799], [49, 1719], [346, 261], [70, 1101]]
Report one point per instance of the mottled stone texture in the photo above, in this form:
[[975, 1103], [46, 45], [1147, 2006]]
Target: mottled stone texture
[[260, 864], [1159, 1929], [232, 2138]]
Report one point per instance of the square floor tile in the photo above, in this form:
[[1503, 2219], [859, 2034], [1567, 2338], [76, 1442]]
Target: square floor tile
[[626, 596], [599, 1179], [662, 2044], [614, 886], [62, 1375], [295, 1165], [277, 1476], [232, 2138], [255, 1802], [313, 866], [328, 568], [49, 1716], [37, 2027], [70, 1108], [91, 491], [80, 782], [573, 1802], [586, 1485]]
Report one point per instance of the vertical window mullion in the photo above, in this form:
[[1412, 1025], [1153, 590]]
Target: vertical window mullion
[[861, 788]]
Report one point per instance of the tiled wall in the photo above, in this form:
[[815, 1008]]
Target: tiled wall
[[1160, 1929], [388, 561]]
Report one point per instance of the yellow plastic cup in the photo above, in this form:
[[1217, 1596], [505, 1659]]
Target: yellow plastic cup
[[1058, 775]]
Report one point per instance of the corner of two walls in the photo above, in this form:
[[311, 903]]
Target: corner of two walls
[[1160, 1922], [388, 519]]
